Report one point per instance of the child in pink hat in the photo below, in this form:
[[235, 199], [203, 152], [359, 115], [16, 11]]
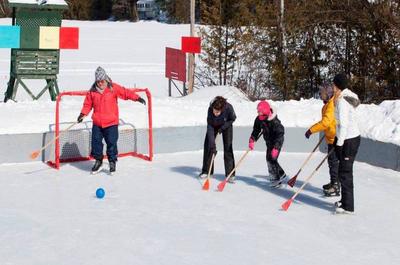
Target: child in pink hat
[[273, 132]]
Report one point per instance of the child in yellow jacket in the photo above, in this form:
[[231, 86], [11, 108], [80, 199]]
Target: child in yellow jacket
[[328, 125]]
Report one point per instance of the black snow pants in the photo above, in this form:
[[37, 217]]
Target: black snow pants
[[333, 163], [347, 154], [274, 169], [229, 160]]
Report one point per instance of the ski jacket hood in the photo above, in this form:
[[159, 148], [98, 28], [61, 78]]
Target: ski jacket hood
[[350, 97]]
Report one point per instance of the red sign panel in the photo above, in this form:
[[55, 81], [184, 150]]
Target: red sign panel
[[175, 64], [191, 44], [69, 38]]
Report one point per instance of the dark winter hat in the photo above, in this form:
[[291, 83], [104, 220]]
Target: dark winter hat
[[100, 75], [340, 80]]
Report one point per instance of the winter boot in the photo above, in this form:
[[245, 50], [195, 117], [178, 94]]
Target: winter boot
[[112, 167], [232, 179], [327, 186], [277, 181], [340, 210], [334, 190], [202, 175], [98, 165]]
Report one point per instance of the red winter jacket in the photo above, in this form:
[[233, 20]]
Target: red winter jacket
[[105, 106]]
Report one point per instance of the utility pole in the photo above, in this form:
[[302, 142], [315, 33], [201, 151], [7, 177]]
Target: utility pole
[[191, 55], [282, 36]]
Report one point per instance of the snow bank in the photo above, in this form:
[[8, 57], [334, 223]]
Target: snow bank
[[381, 122], [377, 122]]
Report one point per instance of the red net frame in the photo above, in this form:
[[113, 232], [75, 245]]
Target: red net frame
[[56, 163]]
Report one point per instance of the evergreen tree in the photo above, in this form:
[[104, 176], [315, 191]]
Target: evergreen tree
[[101, 9]]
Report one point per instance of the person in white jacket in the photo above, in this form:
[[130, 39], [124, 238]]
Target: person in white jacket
[[347, 140]]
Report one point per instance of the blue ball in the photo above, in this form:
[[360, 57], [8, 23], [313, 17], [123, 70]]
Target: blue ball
[[100, 193]]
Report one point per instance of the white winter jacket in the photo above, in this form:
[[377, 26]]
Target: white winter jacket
[[345, 114]]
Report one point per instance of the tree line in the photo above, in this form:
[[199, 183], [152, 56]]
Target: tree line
[[287, 53]]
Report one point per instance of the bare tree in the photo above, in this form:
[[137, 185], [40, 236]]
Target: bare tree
[[3, 9]]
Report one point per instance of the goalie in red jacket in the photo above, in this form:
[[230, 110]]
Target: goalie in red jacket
[[103, 99]]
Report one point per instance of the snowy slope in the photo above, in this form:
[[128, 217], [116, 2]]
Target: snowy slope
[[133, 54], [155, 213]]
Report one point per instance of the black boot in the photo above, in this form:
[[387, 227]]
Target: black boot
[[112, 167], [98, 165], [277, 181], [327, 186], [334, 190]]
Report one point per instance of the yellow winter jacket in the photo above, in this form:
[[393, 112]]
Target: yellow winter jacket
[[327, 123]]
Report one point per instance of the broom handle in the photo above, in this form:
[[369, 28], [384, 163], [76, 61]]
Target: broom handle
[[237, 165], [308, 179], [241, 159], [55, 138], [310, 155], [212, 159]]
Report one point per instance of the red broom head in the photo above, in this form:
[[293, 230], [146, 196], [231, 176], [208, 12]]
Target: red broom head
[[286, 205], [292, 181], [206, 185], [221, 185], [34, 155]]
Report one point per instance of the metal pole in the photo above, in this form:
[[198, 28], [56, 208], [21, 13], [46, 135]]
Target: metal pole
[[283, 30], [191, 56], [169, 87], [283, 44]]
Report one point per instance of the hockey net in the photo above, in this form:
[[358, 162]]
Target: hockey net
[[135, 129]]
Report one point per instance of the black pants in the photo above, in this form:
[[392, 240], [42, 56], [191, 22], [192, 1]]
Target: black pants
[[274, 169], [229, 160], [110, 135], [333, 163], [347, 154]]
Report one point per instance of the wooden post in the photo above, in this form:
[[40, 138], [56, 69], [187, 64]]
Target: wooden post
[[191, 55]]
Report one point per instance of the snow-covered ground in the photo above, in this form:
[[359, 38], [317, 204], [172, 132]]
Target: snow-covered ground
[[157, 213]]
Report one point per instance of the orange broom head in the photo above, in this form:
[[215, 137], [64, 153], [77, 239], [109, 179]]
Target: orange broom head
[[292, 181], [34, 154], [221, 185], [286, 205], [206, 185]]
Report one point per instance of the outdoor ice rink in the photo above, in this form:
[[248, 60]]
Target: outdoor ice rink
[[157, 213]]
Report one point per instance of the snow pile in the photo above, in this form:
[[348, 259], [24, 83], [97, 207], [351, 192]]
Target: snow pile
[[381, 122], [208, 93]]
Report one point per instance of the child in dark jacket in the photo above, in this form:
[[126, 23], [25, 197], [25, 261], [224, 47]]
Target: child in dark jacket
[[220, 118], [273, 132]]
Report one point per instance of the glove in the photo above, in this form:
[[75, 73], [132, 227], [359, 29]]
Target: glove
[[274, 153], [308, 133], [141, 100], [80, 118], [251, 143]]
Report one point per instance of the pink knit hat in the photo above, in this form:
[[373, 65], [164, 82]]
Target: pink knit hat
[[264, 108]]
